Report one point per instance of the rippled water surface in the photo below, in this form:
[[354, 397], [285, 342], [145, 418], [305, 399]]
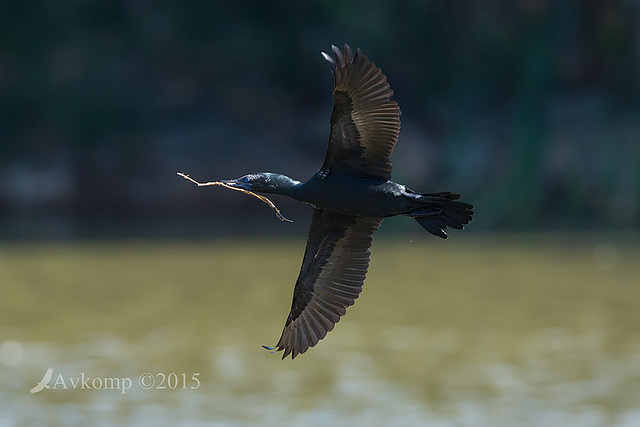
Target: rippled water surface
[[474, 331]]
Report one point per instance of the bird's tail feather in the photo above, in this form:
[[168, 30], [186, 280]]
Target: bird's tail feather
[[442, 210]]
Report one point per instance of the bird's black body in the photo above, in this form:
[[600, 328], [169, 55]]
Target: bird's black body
[[341, 193], [350, 195]]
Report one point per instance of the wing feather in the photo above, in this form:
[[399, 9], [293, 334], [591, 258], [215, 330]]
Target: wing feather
[[364, 122], [333, 270]]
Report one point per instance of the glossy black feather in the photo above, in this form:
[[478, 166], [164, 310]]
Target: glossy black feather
[[364, 122], [333, 270]]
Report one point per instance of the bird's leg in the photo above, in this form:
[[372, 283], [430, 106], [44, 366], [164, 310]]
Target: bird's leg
[[223, 184]]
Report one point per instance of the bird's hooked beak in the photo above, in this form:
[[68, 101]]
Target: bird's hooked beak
[[237, 183]]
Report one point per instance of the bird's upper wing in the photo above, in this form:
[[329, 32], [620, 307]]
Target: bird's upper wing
[[364, 122], [333, 270]]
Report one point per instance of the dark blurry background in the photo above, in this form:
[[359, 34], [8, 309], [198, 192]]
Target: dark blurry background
[[529, 108]]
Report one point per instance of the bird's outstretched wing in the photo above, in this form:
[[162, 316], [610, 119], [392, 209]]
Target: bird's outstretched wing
[[333, 270], [364, 122]]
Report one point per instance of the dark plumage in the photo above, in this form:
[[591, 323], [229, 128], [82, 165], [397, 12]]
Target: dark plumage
[[350, 195]]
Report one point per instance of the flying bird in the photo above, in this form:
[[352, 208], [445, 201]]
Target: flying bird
[[43, 383], [351, 193]]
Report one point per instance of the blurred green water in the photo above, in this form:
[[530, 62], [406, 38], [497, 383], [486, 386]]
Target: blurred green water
[[485, 330]]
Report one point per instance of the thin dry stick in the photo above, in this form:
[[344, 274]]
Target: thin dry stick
[[225, 185]]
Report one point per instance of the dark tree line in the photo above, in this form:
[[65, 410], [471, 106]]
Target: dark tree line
[[530, 108]]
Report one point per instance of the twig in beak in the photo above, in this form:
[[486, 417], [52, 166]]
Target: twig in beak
[[225, 185]]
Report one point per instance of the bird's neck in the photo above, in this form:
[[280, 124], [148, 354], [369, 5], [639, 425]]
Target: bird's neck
[[282, 184]]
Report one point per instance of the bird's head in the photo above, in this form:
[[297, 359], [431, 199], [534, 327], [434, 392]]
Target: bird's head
[[263, 182], [259, 182]]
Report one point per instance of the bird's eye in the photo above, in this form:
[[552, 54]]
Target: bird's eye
[[244, 179]]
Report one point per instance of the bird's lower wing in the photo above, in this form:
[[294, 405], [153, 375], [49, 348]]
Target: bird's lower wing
[[333, 270]]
